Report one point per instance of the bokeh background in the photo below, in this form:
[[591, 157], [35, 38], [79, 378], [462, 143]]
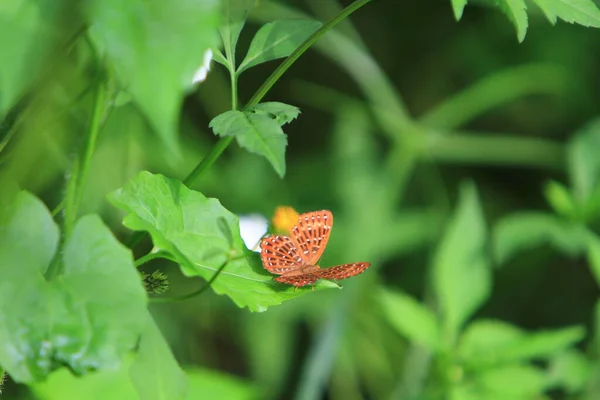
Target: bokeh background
[[401, 105]]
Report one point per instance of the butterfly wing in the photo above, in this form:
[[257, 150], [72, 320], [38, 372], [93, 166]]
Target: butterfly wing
[[312, 234], [343, 271], [298, 280], [279, 254]]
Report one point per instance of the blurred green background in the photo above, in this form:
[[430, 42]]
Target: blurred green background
[[402, 106]]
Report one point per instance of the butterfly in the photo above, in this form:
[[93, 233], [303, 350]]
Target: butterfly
[[294, 258]]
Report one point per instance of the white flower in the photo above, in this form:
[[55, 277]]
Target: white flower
[[252, 228], [201, 73]]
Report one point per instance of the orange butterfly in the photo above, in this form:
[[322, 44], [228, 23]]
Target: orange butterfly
[[294, 258]]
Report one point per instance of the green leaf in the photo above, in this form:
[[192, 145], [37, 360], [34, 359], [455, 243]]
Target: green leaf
[[29, 32], [515, 10], [277, 39], [513, 382], [560, 200], [458, 6], [283, 113], [208, 384], [583, 161], [461, 273], [234, 13], [583, 12], [593, 255], [527, 230], [85, 318], [155, 372], [488, 343], [410, 318], [256, 132], [570, 370], [186, 224], [220, 58], [155, 47]]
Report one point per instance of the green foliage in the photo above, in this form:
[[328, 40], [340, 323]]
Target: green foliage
[[101, 316]]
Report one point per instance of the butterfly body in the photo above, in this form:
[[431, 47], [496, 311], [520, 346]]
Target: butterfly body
[[294, 258]]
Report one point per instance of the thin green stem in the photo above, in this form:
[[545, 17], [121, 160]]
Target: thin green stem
[[149, 257], [193, 294]]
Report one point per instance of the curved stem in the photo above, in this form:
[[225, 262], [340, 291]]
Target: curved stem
[[193, 294], [149, 257]]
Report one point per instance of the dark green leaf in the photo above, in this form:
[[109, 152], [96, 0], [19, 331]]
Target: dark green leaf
[[526, 230], [186, 224], [461, 272], [410, 318], [277, 39], [583, 12], [488, 343], [583, 161], [458, 7], [85, 318], [593, 254], [29, 32], [155, 47], [570, 370], [283, 113], [155, 372], [208, 384], [256, 132]]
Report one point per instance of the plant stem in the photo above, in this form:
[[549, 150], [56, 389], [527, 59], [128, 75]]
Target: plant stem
[[193, 294], [149, 257]]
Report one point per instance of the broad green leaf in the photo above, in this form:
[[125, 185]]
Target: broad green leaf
[[277, 39], [234, 17], [209, 384], [155, 47], [410, 318], [186, 224], [256, 132], [571, 370], [155, 372], [488, 343], [527, 230], [458, 6], [283, 113], [29, 32], [85, 318], [583, 161], [516, 12], [513, 382], [559, 197], [583, 12], [461, 271]]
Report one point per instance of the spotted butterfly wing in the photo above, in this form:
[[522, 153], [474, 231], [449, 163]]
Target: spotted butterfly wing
[[312, 234], [298, 280], [279, 254], [343, 271]]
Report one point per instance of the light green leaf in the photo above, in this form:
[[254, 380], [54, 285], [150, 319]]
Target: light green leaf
[[583, 161], [527, 230], [155, 372], [234, 13], [461, 273], [220, 58], [516, 12], [458, 7], [155, 47], [570, 370], [84, 318], [410, 318], [283, 113], [513, 382], [256, 132], [560, 199], [209, 384], [277, 39], [488, 343], [186, 224], [583, 12], [29, 31]]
